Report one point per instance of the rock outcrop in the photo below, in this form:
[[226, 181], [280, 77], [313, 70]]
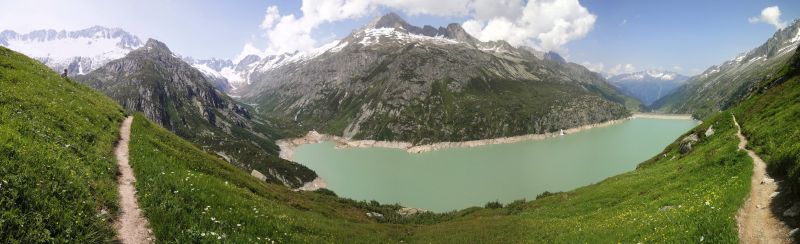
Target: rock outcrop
[[154, 81]]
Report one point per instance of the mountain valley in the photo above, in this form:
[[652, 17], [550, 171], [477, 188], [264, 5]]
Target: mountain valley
[[354, 125]]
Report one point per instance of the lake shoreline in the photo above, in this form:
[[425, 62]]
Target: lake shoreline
[[287, 146]]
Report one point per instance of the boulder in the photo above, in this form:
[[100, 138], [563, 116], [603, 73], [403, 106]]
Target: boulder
[[411, 211], [258, 175], [710, 131], [793, 211], [687, 142]]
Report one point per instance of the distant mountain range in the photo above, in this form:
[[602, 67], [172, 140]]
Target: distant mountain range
[[78, 51], [722, 86], [647, 86], [83, 51]]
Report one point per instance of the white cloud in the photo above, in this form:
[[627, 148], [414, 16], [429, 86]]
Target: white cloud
[[624, 21], [621, 69], [489, 9], [270, 17], [428, 7], [543, 24], [596, 67], [770, 15], [546, 24], [613, 70], [248, 49]]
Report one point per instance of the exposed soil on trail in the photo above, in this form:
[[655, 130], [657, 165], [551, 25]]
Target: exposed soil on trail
[[756, 220], [131, 226]]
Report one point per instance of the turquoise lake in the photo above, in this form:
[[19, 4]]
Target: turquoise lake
[[457, 178]]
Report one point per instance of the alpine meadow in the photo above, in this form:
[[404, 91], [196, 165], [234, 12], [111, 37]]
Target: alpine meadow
[[368, 121]]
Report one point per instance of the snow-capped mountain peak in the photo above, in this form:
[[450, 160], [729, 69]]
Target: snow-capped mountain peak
[[648, 85], [647, 75], [783, 42], [78, 51]]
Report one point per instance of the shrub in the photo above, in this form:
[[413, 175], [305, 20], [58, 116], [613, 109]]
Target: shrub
[[493, 204]]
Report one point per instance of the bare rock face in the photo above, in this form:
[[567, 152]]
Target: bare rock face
[[154, 81], [392, 81]]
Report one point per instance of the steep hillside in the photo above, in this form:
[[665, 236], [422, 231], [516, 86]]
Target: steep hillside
[[190, 196], [394, 81], [56, 184], [676, 196], [156, 82], [57, 174], [770, 118], [648, 86], [722, 86]]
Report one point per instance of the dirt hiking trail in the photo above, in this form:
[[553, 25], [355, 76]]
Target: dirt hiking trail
[[756, 222], [131, 226]]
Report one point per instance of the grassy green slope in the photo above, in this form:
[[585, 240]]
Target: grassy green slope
[[770, 118], [191, 196], [54, 192], [57, 172], [183, 189], [699, 192]]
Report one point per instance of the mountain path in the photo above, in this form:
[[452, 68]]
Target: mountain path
[[131, 226], [756, 222]]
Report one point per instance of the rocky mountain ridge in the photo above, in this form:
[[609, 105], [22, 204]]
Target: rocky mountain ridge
[[392, 81], [169, 91], [721, 86]]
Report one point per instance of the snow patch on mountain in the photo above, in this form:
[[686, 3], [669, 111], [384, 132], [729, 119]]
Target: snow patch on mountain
[[375, 35], [78, 51], [648, 75]]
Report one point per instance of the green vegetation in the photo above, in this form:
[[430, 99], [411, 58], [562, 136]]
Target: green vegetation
[[723, 86], [57, 182], [673, 197], [423, 93], [169, 91], [56, 164], [770, 118], [726, 91], [191, 196]]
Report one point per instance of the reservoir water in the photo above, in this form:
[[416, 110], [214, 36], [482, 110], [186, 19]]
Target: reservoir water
[[457, 178]]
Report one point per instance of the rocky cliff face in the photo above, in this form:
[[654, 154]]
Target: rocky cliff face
[[393, 81], [154, 81]]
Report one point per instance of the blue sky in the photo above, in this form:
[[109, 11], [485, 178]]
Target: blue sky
[[663, 34], [678, 35]]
